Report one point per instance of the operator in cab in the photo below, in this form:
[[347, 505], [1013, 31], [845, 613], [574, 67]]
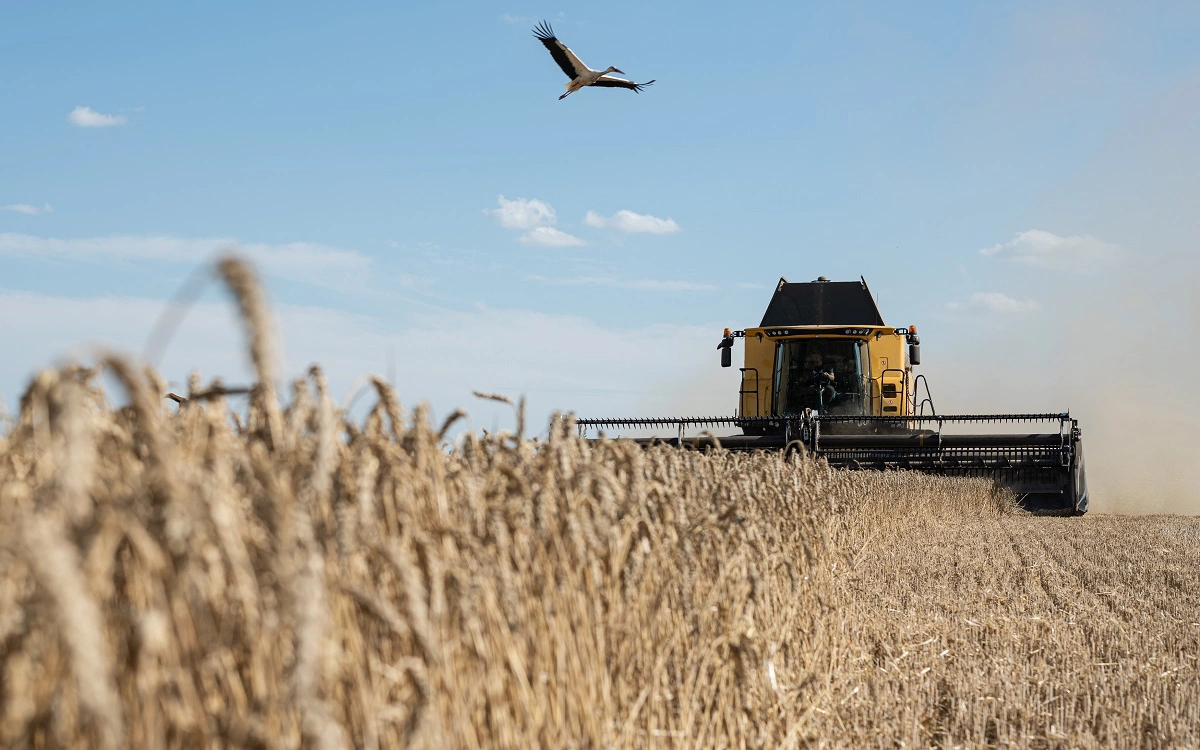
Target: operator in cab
[[827, 385]]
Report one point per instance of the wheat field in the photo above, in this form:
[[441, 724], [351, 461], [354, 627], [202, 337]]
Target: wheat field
[[283, 576]]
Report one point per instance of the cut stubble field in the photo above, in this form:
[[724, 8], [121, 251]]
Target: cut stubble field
[[286, 576], [1014, 629]]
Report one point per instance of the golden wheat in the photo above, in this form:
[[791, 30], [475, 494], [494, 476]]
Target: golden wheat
[[288, 577]]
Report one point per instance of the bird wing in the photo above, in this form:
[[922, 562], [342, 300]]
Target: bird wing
[[566, 59], [621, 83]]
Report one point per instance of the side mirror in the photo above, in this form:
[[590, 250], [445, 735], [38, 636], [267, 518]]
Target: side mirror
[[726, 347], [914, 354]]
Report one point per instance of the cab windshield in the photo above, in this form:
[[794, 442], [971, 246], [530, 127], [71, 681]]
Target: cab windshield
[[821, 374]]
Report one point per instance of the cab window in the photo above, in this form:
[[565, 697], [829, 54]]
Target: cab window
[[826, 375]]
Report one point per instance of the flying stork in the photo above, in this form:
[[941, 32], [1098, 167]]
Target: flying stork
[[580, 74]]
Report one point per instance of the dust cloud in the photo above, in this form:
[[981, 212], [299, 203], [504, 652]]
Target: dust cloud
[[1120, 354], [1140, 396]]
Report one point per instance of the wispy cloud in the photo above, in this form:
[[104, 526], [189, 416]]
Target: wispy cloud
[[515, 18], [631, 222], [494, 349], [86, 117], [522, 213], [1045, 249], [550, 237], [27, 209], [320, 265], [994, 302], [535, 216], [647, 285]]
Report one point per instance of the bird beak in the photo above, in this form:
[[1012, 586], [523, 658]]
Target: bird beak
[[618, 70]]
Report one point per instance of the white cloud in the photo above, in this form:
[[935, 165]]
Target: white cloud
[[27, 209], [86, 117], [1045, 249], [320, 265], [646, 285], [538, 217], [522, 213], [995, 302], [628, 221], [550, 237]]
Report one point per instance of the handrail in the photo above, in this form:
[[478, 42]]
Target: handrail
[[928, 396], [742, 392]]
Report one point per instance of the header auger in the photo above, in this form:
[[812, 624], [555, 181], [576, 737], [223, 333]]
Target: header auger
[[823, 371]]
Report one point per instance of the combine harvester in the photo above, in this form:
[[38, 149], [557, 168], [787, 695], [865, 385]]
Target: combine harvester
[[822, 370]]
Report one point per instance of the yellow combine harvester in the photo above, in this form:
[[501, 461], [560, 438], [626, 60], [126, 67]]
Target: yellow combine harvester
[[822, 370]]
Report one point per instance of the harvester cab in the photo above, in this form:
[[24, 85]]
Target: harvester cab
[[822, 348], [822, 370]]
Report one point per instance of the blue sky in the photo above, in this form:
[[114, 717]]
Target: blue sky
[[1017, 179]]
